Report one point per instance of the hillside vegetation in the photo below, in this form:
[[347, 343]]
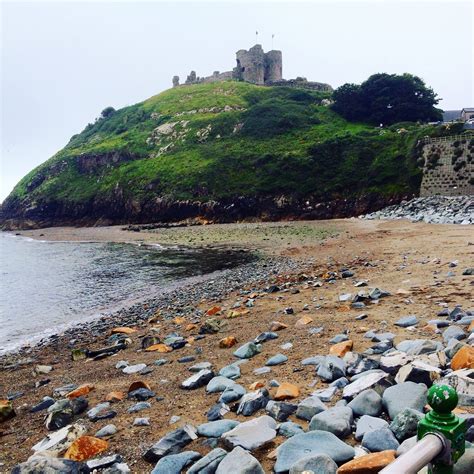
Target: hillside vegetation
[[216, 142]]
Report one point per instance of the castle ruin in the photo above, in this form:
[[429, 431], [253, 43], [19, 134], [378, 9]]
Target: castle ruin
[[257, 67]]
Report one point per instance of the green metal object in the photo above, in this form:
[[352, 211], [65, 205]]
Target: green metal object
[[441, 421]]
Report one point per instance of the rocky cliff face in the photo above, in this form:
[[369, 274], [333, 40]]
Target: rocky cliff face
[[119, 210]]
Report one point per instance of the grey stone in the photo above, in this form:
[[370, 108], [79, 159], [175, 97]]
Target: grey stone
[[336, 420], [407, 321], [217, 411], [415, 347], [141, 422], [404, 395], [315, 360], [392, 361], [47, 464], [57, 442], [208, 464], [231, 371], [379, 440], [405, 424], [171, 443], [251, 434], [198, 380], [277, 360], [239, 461], [311, 443], [262, 370], [248, 350], [133, 369], [453, 332], [175, 463], [200, 366], [215, 429], [280, 411], [309, 407], [339, 338], [104, 462], [368, 423], [107, 430], [376, 380], [232, 393], [141, 394], [252, 402], [418, 372], [463, 381], [368, 402], [265, 336], [331, 368], [325, 394], [289, 429], [219, 384], [139, 407], [318, 463]]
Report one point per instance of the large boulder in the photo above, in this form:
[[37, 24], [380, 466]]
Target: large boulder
[[208, 464], [368, 402], [404, 395], [239, 461], [175, 463], [171, 443], [251, 434], [319, 463], [308, 444], [336, 420]]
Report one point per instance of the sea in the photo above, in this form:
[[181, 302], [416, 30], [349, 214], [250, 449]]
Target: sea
[[46, 287]]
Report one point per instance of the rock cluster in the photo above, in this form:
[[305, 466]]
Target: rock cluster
[[376, 395], [433, 210]]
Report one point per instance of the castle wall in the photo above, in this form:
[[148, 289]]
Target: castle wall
[[273, 66], [251, 65], [448, 166]]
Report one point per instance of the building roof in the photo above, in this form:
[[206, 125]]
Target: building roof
[[450, 115], [467, 109]]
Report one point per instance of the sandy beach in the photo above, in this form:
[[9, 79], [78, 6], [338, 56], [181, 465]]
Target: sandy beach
[[409, 260]]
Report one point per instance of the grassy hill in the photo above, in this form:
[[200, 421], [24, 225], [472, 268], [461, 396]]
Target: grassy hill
[[218, 142]]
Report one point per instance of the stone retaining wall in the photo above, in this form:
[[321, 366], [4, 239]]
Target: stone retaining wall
[[448, 166]]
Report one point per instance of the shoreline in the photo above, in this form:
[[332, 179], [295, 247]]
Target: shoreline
[[392, 255]]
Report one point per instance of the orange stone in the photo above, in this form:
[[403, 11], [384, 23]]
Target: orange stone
[[277, 326], [179, 320], [286, 390], [471, 327], [227, 342], [158, 348], [85, 447], [138, 384], [256, 385], [343, 309], [368, 464], [303, 321], [341, 348], [114, 397], [81, 391], [214, 310], [123, 330], [463, 359], [190, 327]]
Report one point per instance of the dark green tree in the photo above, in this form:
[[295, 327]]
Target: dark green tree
[[387, 99], [107, 112]]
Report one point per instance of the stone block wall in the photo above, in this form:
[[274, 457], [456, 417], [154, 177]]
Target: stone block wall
[[448, 166]]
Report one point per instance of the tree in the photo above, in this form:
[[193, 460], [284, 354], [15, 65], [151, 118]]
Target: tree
[[387, 99], [107, 112]]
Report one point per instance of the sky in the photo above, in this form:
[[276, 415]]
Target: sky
[[63, 62]]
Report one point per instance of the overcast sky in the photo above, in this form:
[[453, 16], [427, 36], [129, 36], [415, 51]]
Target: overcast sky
[[63, 62]]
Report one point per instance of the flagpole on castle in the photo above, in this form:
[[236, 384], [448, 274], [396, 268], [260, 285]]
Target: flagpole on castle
[[273, 36], [256, 37]]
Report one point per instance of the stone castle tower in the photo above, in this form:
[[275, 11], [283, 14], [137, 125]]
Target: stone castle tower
[[258, 67]]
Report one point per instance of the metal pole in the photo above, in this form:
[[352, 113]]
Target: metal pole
[[417, 457]]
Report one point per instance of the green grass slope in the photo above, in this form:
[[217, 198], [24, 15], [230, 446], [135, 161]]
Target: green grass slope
[[217, 142]]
